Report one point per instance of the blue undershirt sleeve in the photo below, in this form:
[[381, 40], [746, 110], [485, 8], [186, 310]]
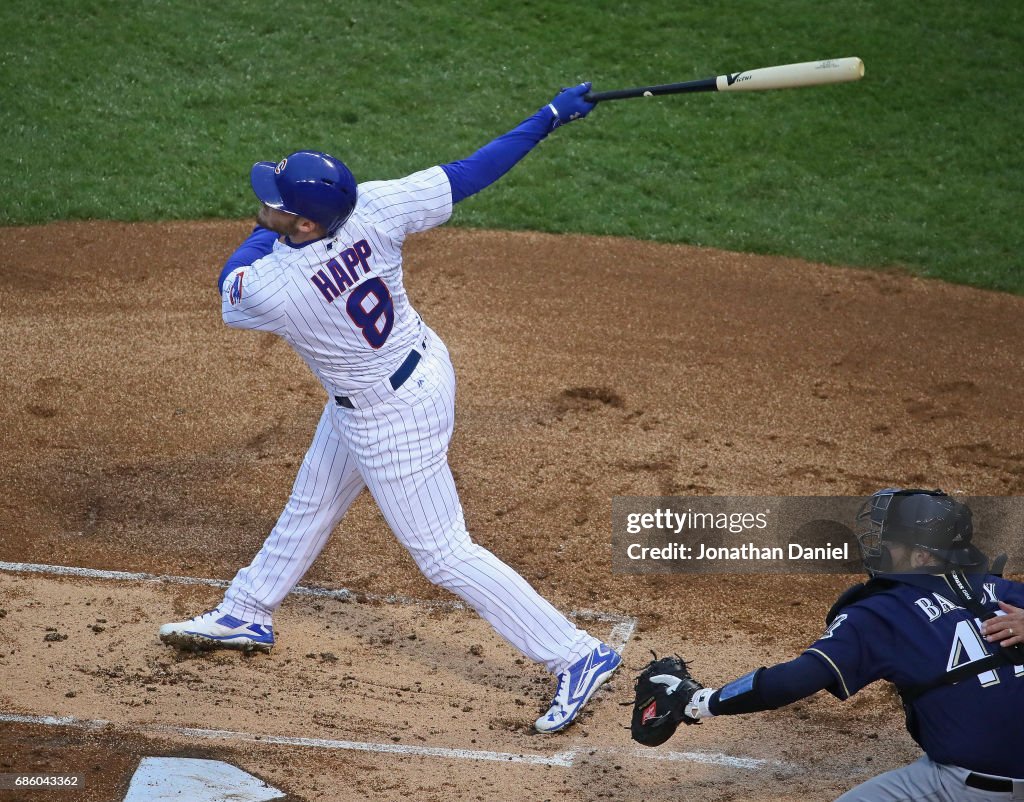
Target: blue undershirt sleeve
[[258, 244], [470, 175], [780, 685]]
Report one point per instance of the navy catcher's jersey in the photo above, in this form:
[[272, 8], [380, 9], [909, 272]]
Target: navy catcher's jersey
[[910, 634]]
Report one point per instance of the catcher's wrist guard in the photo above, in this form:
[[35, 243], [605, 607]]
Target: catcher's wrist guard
[[697, 707]]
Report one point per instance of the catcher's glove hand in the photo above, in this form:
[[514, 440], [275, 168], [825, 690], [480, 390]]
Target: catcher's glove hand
[[663, 690]]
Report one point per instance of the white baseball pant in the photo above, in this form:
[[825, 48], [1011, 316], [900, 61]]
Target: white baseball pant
[[398, 448]]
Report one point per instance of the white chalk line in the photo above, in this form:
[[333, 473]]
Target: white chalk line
[[561, 759], [622, 629], [566, 759]]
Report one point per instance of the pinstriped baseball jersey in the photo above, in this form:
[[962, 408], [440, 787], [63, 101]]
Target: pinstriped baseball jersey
[[340, 302]]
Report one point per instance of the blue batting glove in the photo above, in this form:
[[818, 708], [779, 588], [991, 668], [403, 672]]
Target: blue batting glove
[[569, 104]]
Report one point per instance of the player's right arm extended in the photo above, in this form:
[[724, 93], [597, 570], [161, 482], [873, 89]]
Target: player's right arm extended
[[472, 174], [763, 689]]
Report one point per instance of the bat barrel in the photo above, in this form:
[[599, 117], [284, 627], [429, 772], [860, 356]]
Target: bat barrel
[[785, 76]]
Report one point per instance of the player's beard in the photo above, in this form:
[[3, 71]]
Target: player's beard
[[278, 222]]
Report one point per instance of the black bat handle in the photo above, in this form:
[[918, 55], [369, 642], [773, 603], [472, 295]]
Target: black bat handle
[[700, 85]]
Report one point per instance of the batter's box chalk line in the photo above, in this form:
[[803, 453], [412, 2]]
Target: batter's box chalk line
[[565, 759], [623, 628]]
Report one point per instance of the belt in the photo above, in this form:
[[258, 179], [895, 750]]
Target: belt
[[397, 378], [984, 782]]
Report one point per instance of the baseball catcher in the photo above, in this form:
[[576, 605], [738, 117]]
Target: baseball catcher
[[936, 619]]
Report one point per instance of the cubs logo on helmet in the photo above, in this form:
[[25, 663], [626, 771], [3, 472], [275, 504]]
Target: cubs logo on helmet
[[309, 184]]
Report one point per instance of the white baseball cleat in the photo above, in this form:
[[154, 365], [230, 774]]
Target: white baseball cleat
[[216, 630], [576, 685]]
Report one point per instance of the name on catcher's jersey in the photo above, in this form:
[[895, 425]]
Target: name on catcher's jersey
[[911, 634], [340, 302]]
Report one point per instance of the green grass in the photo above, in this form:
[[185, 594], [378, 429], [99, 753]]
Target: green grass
[[155, 109]]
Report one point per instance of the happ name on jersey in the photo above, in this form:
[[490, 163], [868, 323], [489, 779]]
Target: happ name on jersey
[[343, 272], [945, 605]]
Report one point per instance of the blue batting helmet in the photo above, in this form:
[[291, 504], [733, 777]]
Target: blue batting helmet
[[307, 183]]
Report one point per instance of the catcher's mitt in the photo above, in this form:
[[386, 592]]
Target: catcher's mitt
[[662, 692]]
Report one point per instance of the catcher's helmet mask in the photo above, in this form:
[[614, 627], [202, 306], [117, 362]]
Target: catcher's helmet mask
[[925, 519], [309, 184]]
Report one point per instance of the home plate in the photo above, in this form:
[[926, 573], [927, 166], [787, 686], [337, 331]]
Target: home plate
[[175, 778]]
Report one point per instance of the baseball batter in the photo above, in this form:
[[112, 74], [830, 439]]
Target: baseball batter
[[323, 270], [932, 622]]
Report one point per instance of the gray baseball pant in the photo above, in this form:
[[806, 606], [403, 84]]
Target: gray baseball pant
[[927, 781]]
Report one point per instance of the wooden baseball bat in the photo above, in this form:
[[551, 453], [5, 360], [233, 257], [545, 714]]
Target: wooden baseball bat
[[785, 76]]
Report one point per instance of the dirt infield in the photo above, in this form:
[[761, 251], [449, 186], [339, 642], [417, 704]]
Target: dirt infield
[[141, 434]]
